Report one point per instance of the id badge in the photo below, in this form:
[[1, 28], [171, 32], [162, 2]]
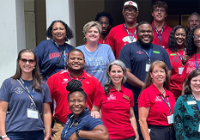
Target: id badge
[[199, 128], [191, 102], [33, 114], [147, 67], [180, 70], [170, 119]]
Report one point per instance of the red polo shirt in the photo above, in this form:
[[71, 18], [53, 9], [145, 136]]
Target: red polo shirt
[[159, 110], [176, 81], [165, 36], [115, 109], [57, 85]]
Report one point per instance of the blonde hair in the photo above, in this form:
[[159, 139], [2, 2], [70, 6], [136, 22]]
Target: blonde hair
[[90, 24]]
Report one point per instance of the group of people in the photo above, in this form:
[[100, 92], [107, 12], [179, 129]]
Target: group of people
[[124, 83]]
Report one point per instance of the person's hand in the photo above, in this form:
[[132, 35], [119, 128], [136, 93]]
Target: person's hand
[[48, 137], [137, 137], [6, 138], [53, 131], [73, 136], [185, 59], [95, 114]]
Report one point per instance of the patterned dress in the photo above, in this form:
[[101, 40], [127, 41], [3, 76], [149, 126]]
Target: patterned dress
[[187, 118]]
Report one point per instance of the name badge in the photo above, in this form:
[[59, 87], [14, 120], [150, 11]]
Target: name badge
[[147, 67], [33, 114], [125, 97], [180, 70], [170, 119], [191, 102]]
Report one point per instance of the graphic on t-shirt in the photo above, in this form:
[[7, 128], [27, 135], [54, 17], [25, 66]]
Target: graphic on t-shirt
[[158, 99], [176, 59], [111, 97], [56, 54], [18, 90], [127, 40]]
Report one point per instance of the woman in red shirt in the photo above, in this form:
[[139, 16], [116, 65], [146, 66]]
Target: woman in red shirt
[[116, 104], [156, 105]]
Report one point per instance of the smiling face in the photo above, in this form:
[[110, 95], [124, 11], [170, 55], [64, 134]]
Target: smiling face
[[180, 37], [27, 62], [197, 38], [145, 33], [92, 35], [116, 74], [76, 61], [158, 75], [58, 32], [195, 84], [159, 14], [193, 22], [77, 103], [130, 14]]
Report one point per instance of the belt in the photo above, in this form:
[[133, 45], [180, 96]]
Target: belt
[[57, 121], [160, 127]]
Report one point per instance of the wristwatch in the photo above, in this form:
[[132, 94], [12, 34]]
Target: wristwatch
[[77, 133], [2, 137]]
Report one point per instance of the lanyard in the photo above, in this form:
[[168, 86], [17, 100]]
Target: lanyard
[[167, 102], [181, 57], [31, 93], [68, 125], [63, 55], [159, 36], [72, 78], [148, 54], [192, 96], [197, 66], [131, 37]]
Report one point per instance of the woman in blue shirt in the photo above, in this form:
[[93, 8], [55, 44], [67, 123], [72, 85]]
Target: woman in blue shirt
[[80, 125]]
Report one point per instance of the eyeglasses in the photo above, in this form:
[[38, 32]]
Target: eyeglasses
[[130, 10], [161, 10], [30, 61], [196, 37]]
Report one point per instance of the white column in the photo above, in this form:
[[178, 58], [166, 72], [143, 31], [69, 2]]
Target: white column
[[61, 10], [12, 36]]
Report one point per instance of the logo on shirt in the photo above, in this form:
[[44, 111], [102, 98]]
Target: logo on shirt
[[111, 97], [127, 40], [65, 81], [158, 99], [139, 52], [18, 90]]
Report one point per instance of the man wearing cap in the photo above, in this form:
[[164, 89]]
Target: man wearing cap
[[124, 33], [160, 29], [193, 20]]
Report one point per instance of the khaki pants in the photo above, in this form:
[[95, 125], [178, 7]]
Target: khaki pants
[[58, 126]]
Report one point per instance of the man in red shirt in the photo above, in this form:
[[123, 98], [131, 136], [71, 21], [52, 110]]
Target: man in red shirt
[[160, 29], [57, 85], [125, 33]]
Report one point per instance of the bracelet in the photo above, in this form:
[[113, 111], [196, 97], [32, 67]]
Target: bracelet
[[77, 133], [2, 137]]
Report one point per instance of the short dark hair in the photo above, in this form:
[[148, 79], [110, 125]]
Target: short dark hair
[[75, 50], [172, 42], [160, 4], [187, 88], [69, 33], [142, 22], [104, 14], [191, 48], [75, 85]]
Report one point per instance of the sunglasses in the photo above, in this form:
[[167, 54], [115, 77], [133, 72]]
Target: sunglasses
[[30, 61]]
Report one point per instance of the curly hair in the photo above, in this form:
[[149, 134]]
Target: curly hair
[[69, 33], [75, 85], [190, 46], [172, 45], [104, 14]]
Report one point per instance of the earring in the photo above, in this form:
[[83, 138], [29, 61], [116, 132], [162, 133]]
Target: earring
[[84, 39]]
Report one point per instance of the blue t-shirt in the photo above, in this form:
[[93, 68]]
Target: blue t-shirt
[[48, 55], [18, 102], [96, 62], [136, 59], [84, 122]]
